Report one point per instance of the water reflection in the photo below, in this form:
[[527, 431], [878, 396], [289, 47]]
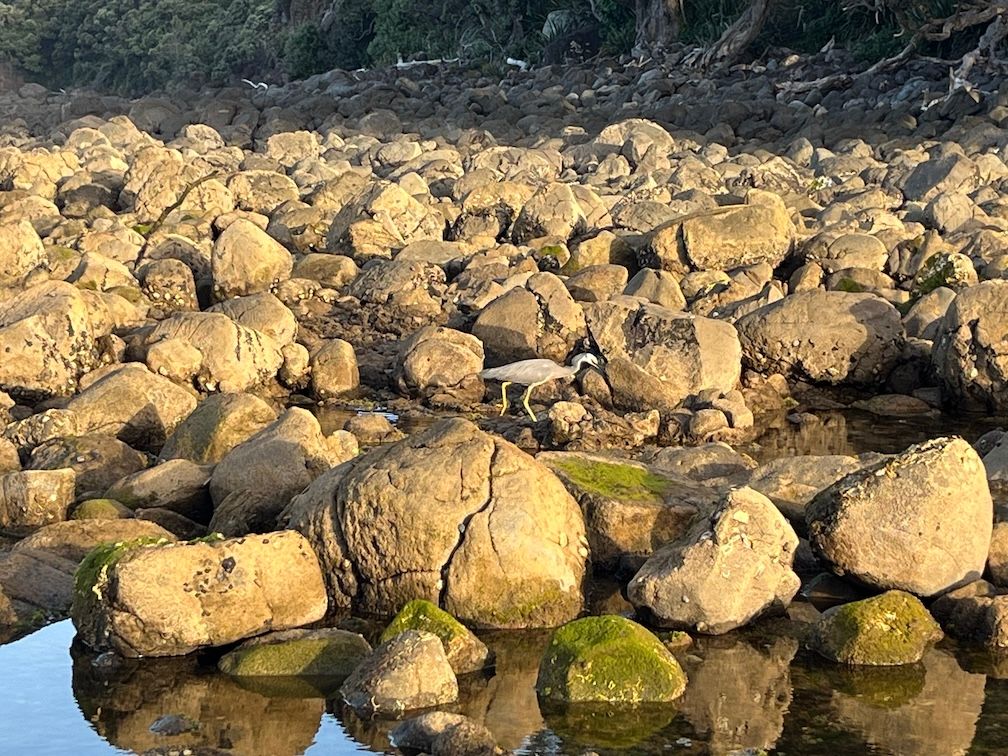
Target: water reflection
[[124, 700], [755, 690], [739, 691], [854, 432]]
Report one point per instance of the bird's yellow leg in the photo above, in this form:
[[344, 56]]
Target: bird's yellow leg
[[504, 401], [527, 396]]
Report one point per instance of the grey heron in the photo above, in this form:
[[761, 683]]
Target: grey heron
[[533, 373]]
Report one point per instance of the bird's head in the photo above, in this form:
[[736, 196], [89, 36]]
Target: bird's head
[[586, 360]]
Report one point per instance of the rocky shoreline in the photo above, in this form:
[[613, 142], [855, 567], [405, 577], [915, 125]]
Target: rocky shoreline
[[181, 276]]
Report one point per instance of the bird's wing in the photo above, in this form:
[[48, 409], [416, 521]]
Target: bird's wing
[[523, 371]]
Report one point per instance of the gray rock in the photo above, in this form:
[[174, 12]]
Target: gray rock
[[829, 337], [655, 357], [406, 673], [97, 459], [217, 425], [540, 319], [657, 286], [919, 521], [729, 569], [968, 354], [171, 600], [976, 612], [246, 260], [441, 366], [32, 499], [133, 404], [334, 370], [441, 733], [486, 507], [253, 483]]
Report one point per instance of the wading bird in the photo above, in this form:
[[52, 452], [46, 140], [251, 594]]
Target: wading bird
[[534, 373]]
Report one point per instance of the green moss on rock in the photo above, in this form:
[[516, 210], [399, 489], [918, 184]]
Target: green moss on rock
[[93, 570], [608, 660], [310, 653], [893, 628], [465, 651], [611, 480], [101, 509]]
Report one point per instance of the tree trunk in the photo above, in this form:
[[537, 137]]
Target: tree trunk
[[658, 22], [737, 37]]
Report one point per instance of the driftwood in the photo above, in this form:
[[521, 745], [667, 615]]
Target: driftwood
[[738, 37], [972, 14], [157, 224]]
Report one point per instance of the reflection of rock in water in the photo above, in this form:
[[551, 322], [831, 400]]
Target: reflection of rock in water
[[824, 433], [505, 702], [941, 719], [123, 702], [609, 727], [738, 695]]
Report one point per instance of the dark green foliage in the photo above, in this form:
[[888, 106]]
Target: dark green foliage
[[135, 46], [306, 52], [140, 45]]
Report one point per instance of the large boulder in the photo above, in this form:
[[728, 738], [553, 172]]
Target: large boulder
[[919, 521], [258, 478], [608, 660], [452, 515], [540, 319], [247, 260], [441, 366], [656, 357], [143, 599], [133, 404], [48, 336], [970, 355], [729, 569], [830, 337], [217, 425], [232, 358]]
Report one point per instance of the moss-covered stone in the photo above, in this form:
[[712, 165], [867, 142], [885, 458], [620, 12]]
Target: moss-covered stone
[[93, 570], [611, 480], [608, 659], [101, 509], [309, 653], [465, 652], [889, 629]]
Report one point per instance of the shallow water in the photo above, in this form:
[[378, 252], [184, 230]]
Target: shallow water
[[754, 689]]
